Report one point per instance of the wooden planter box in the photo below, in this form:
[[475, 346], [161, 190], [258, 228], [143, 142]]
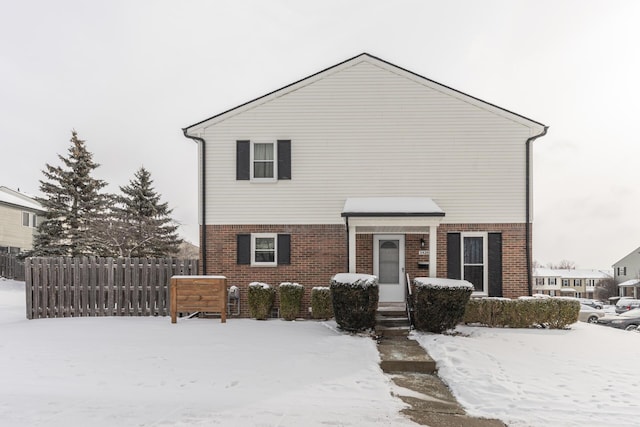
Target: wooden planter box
[[190, 294]]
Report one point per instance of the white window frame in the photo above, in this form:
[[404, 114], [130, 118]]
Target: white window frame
[[565, 282], [275, 162], [552, 281], [485, 260], [539, 281], [255, 236], [32, 219], [577, 282]]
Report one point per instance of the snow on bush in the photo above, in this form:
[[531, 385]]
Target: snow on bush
[[355, 300], [439, 304], [554, 313], [321, 305], [290, 300], [261, 298]]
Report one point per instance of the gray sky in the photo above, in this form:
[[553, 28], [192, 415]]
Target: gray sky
[[128, 75]]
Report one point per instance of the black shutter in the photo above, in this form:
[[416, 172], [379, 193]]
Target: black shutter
[[284, 159], [244, 249], [453, 256], [243, 160], [495, 264], [284, 249]]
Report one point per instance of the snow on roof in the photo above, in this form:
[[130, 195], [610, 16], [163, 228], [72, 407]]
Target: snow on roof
[[433, 282], [17, 198], [565, 273], [629, 283], [391, 206]]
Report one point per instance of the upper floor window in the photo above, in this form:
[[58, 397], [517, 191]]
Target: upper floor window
[[622, 271], [565, 282], [263, 160], [29, 219], [552, 281], [539, 281], [577, 282]]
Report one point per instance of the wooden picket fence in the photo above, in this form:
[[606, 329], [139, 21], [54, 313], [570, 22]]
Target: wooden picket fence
[[74, 287], [11, 267]]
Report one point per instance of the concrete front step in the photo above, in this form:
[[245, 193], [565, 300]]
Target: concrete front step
[[399, 354], [392, 321], [392, 331]]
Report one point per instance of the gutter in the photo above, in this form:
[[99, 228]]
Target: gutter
[[203, 195], [528, 208]]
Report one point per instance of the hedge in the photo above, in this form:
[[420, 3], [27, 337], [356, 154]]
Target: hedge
[[439, 304], [522, 313], [261, 297], [355, 300], [321, 305], [290, 300]]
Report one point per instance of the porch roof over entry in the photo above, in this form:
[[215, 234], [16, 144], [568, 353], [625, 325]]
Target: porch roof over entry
[[391, 207]]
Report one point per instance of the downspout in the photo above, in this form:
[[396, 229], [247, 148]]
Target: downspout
[[203, 195], [528, 208]]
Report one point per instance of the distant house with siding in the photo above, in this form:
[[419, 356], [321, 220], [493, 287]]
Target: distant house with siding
[[19, 217], [579, 283], [367, 167], [627, 274]]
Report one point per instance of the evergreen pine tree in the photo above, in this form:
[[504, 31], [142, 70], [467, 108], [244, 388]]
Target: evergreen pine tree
[[148, 227], [73, 204]]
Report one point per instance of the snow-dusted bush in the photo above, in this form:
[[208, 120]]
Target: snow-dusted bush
[[355, 300], [439, 303], [290, 300], [261, 297], [321, 305], [554, 313]]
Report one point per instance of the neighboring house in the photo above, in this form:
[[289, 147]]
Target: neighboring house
[[19, 217], [626, 273], [367, 167], [577, 283]]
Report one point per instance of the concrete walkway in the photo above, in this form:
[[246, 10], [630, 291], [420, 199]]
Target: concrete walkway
[[414, 373]]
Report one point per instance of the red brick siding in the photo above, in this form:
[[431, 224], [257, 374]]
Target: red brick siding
[[320, 251], [317, 253], [514, 260]]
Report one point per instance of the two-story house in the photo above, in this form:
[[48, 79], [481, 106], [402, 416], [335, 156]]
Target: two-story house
[[579, 283], [367, 167], [19, 216], [626, 273]]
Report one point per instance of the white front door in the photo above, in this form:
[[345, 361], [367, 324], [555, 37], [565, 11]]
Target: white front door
[[388, 265]]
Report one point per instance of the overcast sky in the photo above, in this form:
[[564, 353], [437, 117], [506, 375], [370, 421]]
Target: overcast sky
[[129, 75]]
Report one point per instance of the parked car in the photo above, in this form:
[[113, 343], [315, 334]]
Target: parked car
[[629, 320], [626, 304], [591, 303], [589, 314]]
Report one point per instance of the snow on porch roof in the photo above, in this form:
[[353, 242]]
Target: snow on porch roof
[[629, 283], [391, 206]]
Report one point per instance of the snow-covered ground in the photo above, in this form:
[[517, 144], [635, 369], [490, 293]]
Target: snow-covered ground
[[585, 376], [145, 371], [119, 371]]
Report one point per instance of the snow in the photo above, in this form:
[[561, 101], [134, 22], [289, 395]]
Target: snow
[[433, 282], [391, 205], [290, 285], [16, 198], [584, 376], [358, 279], [145, 371], [259, 285]]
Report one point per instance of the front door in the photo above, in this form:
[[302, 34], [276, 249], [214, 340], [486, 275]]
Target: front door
[[388, 265]]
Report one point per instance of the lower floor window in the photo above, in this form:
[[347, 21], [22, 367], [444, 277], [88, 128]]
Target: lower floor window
[[263, 249], [474, 260]]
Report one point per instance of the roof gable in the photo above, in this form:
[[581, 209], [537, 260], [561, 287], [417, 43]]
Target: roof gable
[[536, 127]]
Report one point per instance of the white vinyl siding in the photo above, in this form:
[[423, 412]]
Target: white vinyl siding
[[367, 131]]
